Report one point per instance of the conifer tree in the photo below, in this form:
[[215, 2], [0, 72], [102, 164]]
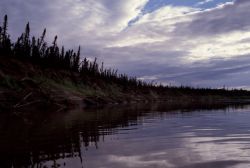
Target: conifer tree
[[76, 60], [5, 27], [5, 43], [1, 45], [26, 41], [50, 56], [41, 40]]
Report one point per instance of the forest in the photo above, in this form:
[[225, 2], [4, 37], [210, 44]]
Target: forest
[[36, 51]]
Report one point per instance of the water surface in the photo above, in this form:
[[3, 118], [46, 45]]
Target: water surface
[[136, 136]]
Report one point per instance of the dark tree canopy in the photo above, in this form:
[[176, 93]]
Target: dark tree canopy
[[37, 51]]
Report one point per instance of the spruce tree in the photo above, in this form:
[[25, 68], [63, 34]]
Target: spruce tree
[[5, 27]]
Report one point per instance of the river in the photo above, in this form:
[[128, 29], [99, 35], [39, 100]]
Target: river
[[128, 137]]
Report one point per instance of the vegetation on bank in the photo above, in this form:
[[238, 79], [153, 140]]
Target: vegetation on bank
[[35, 72]]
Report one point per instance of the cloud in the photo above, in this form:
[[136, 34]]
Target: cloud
[[203, 2], [74, 18], [159, 45], [223, 19]]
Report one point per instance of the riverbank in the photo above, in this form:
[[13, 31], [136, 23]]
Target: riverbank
[[37, 76], [27, 86]]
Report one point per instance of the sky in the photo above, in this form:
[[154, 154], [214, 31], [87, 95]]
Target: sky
[[200, 43]]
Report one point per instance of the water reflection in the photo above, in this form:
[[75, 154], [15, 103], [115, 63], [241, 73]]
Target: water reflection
[[132, 136]]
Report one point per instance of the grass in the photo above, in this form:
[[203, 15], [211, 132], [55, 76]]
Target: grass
[[8, 82]]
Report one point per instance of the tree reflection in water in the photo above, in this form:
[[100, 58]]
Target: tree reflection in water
[[33, 138]]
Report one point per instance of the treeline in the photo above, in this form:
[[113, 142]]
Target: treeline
[[38, 51]]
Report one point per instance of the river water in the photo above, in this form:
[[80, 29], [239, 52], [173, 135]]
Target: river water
[[122, 137]]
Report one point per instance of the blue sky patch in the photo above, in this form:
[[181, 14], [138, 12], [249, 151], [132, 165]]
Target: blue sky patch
[[153, 5]]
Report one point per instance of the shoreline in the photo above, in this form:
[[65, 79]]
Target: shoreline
[[25, 86]]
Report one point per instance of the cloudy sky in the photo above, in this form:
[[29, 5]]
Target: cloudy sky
[[191, 42]]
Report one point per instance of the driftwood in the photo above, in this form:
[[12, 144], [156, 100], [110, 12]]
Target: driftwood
[[23, 99], [61, 107], [27, 104]]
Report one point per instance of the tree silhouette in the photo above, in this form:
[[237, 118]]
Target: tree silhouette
[[37, 51], [5, 43]]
